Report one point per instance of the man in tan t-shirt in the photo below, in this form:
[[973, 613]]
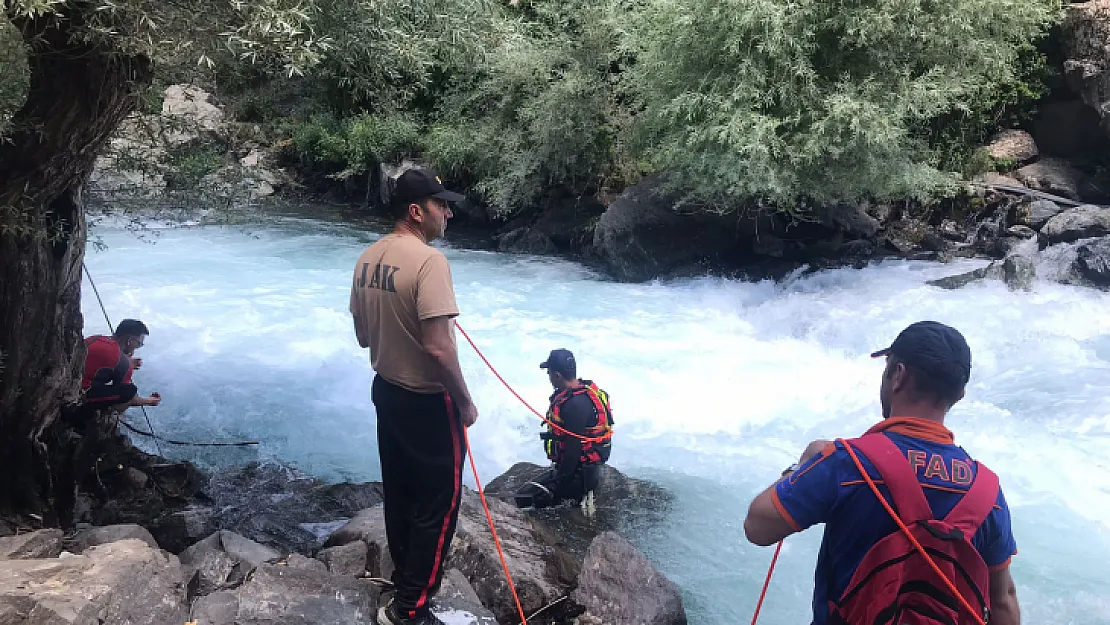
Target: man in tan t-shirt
[[403, 305]]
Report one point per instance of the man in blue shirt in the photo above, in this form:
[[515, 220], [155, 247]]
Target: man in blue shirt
[[927, 368]]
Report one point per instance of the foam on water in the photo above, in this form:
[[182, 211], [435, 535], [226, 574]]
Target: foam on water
[[717, 385]]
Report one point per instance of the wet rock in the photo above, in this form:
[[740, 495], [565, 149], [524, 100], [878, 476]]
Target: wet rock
[[635, 237], [620, 586], [1018, 272], [1081, 222], [40, 544], [1036, 213], [768, 245], [121, 583], [621, 503], [276, 505], [1093, 261], [1021, 232], [526, 241], [852, 219], [94, 536], [349, 559]]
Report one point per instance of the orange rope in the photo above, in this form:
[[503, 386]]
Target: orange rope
[[588, 439], [766, 583], [909, 534], [493, 530]]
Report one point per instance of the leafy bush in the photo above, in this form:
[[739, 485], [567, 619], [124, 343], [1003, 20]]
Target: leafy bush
[[816, 99], [353, 146], [14, 75], [189, 164], [538, 117]]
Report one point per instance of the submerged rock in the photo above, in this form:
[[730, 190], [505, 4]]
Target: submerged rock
[[1018, 272]]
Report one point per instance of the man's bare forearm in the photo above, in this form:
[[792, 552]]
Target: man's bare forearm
[[450, 374]]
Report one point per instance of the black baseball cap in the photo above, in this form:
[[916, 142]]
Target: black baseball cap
[[935, 349], [419, 183], [560, 361]]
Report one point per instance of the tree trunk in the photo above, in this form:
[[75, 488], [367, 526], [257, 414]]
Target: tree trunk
[[79, 93]]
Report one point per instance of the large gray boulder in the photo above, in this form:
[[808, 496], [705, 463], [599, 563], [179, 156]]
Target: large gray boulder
[[620, 586], [618, 500], [1081, 222], [1035, 213], [1060, 177], [1093, 261], [1013, 145], [121, 583], [281, 595], [94, 536], [641, 235], [222, 561], [41, 544], [349, 559], [541, 572], [289, 596], [368, 527]]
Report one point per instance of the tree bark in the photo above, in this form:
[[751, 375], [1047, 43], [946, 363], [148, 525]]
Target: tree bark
[[79, 94]]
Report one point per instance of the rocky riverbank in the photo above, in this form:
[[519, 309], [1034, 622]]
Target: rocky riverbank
[[161, 542]]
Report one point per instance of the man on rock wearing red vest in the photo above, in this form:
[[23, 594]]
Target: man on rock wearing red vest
[[578, 443], [869, 569]]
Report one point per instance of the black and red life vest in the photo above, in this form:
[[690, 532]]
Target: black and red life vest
[[593, 451]]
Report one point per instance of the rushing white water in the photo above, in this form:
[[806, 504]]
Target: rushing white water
[[717, 385]]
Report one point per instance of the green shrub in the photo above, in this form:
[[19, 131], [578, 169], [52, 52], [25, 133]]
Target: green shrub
[[350, 147], [820, 99]]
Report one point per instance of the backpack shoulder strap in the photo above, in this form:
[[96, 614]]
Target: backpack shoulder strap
[[899, 477], [977, 503]]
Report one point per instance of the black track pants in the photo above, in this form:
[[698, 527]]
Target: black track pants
[[421, 446]]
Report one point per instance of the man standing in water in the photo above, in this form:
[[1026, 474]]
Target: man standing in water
[[868, 570], [403, 304]]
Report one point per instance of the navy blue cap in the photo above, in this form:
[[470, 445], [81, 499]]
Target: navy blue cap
[[418, 183], [561, 361], [933, 348]]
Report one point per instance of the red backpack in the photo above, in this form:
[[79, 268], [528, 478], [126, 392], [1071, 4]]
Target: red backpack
[[896, 583]]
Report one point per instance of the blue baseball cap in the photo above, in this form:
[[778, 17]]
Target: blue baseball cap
[[561, 361], [933, 348]]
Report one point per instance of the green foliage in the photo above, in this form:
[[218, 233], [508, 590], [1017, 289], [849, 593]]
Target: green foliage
[[189, 164], [815, 98], [352, 146], [385, 53], [954, 136], [538, 116], [13, 72]]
